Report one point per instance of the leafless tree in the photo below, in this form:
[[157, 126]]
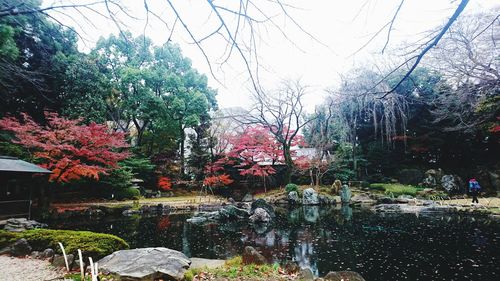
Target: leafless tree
[[468, 59], [236, 24], [283, 113]]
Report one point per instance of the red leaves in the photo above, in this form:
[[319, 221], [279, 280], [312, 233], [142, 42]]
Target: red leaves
[[218, 181], [165, 183], [69, 149]]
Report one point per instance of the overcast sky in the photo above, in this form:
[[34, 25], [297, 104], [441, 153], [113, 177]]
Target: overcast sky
[[343, 26]]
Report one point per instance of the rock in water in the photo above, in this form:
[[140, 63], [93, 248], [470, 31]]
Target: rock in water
[[310, 197], [21, 248], [293, 198], [260, 215], [363, 199], [231, 212], [452, 184], [261, 203], [343, 276], [345, 194], [146, 264], [252, 256]]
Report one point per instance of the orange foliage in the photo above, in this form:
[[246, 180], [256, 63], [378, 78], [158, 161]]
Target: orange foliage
[[165, 183], [218, 181], [70, 149]]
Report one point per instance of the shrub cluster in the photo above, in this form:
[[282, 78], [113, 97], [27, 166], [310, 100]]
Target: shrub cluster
[[291, 187], [127, 193]]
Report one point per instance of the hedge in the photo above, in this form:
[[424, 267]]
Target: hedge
[[95, 245]]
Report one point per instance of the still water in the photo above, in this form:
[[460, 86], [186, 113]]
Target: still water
[[378, 246]]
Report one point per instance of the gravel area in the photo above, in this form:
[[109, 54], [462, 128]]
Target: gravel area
[[17, 269]]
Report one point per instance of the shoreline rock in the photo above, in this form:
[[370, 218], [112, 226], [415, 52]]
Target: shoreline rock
[[146, 264]]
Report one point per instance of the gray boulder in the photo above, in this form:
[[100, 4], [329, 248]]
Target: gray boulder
[[20, 248], [261, 203], [58, 261], [452, 184], [231, 212], [404, 198], [252, 256], [432, 178], [343, 276], [293, 198], [76, 265], [48, 253], [146, 264], [260, 215], [35, 255], [363, 199], [306, 274], [310, 197], [326, 200], [247, 198], [22, 224]]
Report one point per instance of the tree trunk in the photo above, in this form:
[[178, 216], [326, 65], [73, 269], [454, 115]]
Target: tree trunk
[[182, 150], [288, 162]]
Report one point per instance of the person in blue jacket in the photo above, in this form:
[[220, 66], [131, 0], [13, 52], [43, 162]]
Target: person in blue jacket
[[474, 189]]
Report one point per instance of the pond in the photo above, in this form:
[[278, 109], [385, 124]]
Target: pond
[[378, 246]]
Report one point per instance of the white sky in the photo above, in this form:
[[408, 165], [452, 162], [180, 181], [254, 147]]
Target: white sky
[[344, 26]]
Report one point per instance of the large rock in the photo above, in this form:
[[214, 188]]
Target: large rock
[[48, 253], [231, 212], [310, 197], [252, 256], [452, 184], [293, 198], [261, 203], [345, 194], [22, 224], [410, 176], [326, 200], [260, 215], [306, 274], [432, 178], [21, 248], [343, 276], [146, 264], [247, 198], [363, 199], [59, 261]]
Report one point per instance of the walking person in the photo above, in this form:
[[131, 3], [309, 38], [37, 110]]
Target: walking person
[[474, 189]]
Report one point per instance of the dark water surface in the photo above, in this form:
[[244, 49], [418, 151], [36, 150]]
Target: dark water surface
[[378, 246]]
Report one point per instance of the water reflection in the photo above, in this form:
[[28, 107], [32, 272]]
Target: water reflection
[[379, 246]]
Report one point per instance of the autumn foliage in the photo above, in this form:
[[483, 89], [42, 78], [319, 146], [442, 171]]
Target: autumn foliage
[[165, 183], [69, 149], [218, 180]]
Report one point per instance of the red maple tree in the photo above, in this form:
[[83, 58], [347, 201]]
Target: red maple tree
[[70, 149], [165, 183]]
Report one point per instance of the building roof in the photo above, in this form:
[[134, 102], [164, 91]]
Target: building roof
[[14, 165]]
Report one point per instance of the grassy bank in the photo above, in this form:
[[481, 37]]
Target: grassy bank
[[396, 189], [234, 269], [95, 245]]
